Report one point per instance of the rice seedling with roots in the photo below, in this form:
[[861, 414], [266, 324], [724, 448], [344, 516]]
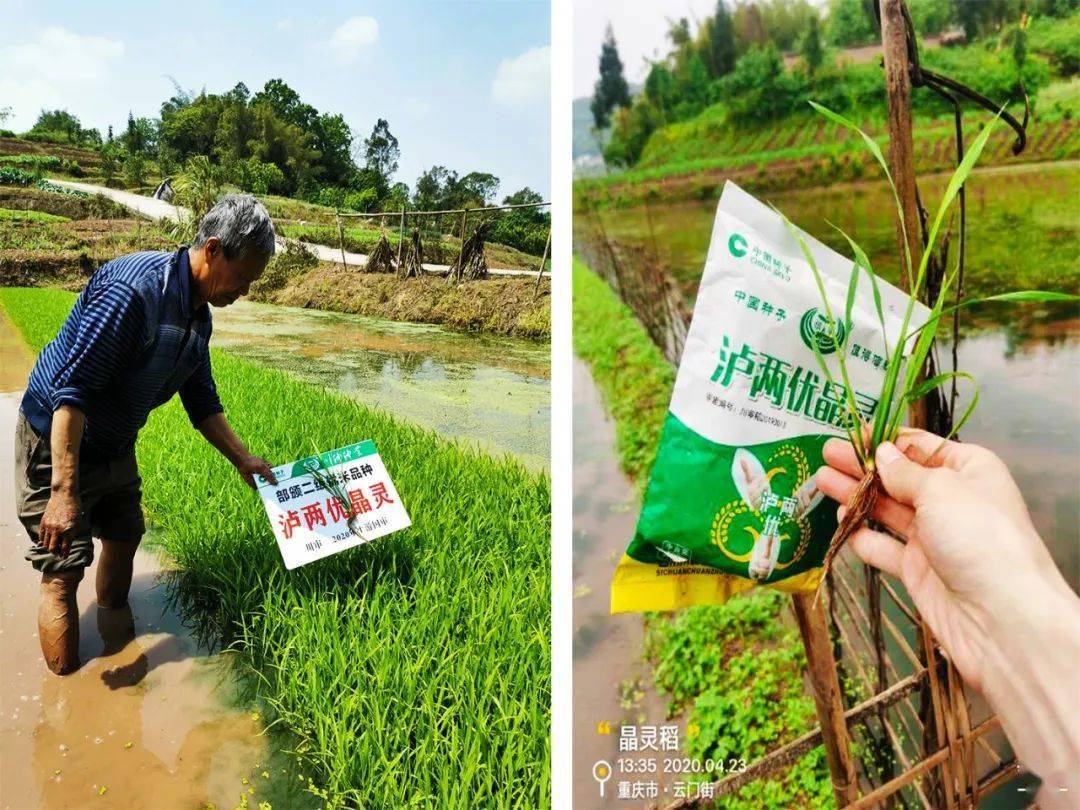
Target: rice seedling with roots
[[902, 385]]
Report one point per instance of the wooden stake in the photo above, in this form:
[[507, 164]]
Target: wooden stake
[[543, 261], [341, 240], [401, 235], [827, 698]]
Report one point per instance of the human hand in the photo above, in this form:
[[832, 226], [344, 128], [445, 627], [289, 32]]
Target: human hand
[[982, 579], [249, 466], [971, 551], [57, 526]]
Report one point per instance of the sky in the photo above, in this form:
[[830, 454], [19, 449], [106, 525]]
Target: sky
[[640, 28], [463, 83]]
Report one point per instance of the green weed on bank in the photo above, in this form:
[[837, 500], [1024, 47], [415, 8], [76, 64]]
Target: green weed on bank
[[413, 671]]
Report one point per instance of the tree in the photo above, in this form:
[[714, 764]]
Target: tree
[[140, 135], [611, 90], [849, 23], [930, 16], [749, 27], [720, 42], [381, 155], [332, 138], [524, 196], [475, 189], [5, 114], [287, 103], [431, 187], [62, 126], [810, 48]]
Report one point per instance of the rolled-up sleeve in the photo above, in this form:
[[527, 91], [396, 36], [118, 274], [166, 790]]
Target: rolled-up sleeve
[[111, 331], [199, 393]]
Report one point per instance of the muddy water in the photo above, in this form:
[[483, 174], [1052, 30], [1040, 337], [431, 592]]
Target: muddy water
[[150, 720], [490, 391], [612, 683]]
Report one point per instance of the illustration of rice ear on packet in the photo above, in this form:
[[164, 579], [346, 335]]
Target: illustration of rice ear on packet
[[731, 501]]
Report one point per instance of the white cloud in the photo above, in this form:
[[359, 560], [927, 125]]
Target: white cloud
[[350, 38], [285, 25], [61, 55], [56, 68], [524, 82]]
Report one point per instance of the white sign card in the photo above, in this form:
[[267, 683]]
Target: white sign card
[[310, 522]]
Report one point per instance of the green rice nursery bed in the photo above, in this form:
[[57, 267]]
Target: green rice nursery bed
[[412, 671]]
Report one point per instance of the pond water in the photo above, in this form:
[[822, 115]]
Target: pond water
[[152, 718], [612, 681], [1023, 228], [490, 391]]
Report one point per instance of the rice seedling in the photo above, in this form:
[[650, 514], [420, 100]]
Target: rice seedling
[[901, 385], [411, 671]]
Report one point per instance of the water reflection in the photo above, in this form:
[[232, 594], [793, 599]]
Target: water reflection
[[612, 681], [482, 389]]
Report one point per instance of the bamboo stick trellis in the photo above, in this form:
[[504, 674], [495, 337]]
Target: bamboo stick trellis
[[918, 715]]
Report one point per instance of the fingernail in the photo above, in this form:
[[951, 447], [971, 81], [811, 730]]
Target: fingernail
[[887, 453]]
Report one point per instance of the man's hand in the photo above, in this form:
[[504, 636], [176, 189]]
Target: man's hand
[[248, 466], [216, 430], [57, 527]]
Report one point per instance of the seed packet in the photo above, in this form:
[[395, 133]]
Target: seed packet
[[327, 503], [731, 501]]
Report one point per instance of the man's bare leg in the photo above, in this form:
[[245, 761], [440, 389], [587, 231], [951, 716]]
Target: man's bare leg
[[114, 572], [58, 621]]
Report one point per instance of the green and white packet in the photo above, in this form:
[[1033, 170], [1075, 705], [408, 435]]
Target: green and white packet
[[731, 500]]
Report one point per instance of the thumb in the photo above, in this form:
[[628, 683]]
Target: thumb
[[902, 478]]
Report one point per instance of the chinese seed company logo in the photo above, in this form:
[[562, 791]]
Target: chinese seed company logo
[[814, 329], [737, 245]]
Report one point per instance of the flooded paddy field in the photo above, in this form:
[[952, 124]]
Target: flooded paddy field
[[1023, 230], [489, 391], [411, 670]]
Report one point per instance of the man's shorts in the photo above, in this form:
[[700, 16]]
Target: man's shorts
[[110, 491]]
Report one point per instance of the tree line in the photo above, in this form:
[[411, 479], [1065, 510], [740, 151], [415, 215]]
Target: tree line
[[271, 142], [735, 56]]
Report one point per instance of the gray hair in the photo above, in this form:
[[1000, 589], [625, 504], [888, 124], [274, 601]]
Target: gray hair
[[241, 223]]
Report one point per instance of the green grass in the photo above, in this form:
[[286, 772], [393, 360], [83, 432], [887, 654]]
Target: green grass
[[413, 671], [801, 151], [14, 215], [734, 670]]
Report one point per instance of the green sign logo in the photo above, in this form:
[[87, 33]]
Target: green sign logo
[[815, 330], [737, 245]]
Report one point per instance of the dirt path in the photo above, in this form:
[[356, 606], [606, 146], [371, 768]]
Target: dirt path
[[158, 209], [146, 721]]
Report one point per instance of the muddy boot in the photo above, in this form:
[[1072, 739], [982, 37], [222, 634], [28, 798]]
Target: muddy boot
[[114, 572], [58, 621]]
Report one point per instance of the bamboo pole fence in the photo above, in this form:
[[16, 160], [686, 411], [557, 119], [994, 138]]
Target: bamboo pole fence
[[404, 214]]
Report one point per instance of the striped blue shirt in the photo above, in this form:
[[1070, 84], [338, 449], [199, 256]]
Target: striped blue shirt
[[132, 341]]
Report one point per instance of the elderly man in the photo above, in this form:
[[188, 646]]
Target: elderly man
[[138, 334]]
